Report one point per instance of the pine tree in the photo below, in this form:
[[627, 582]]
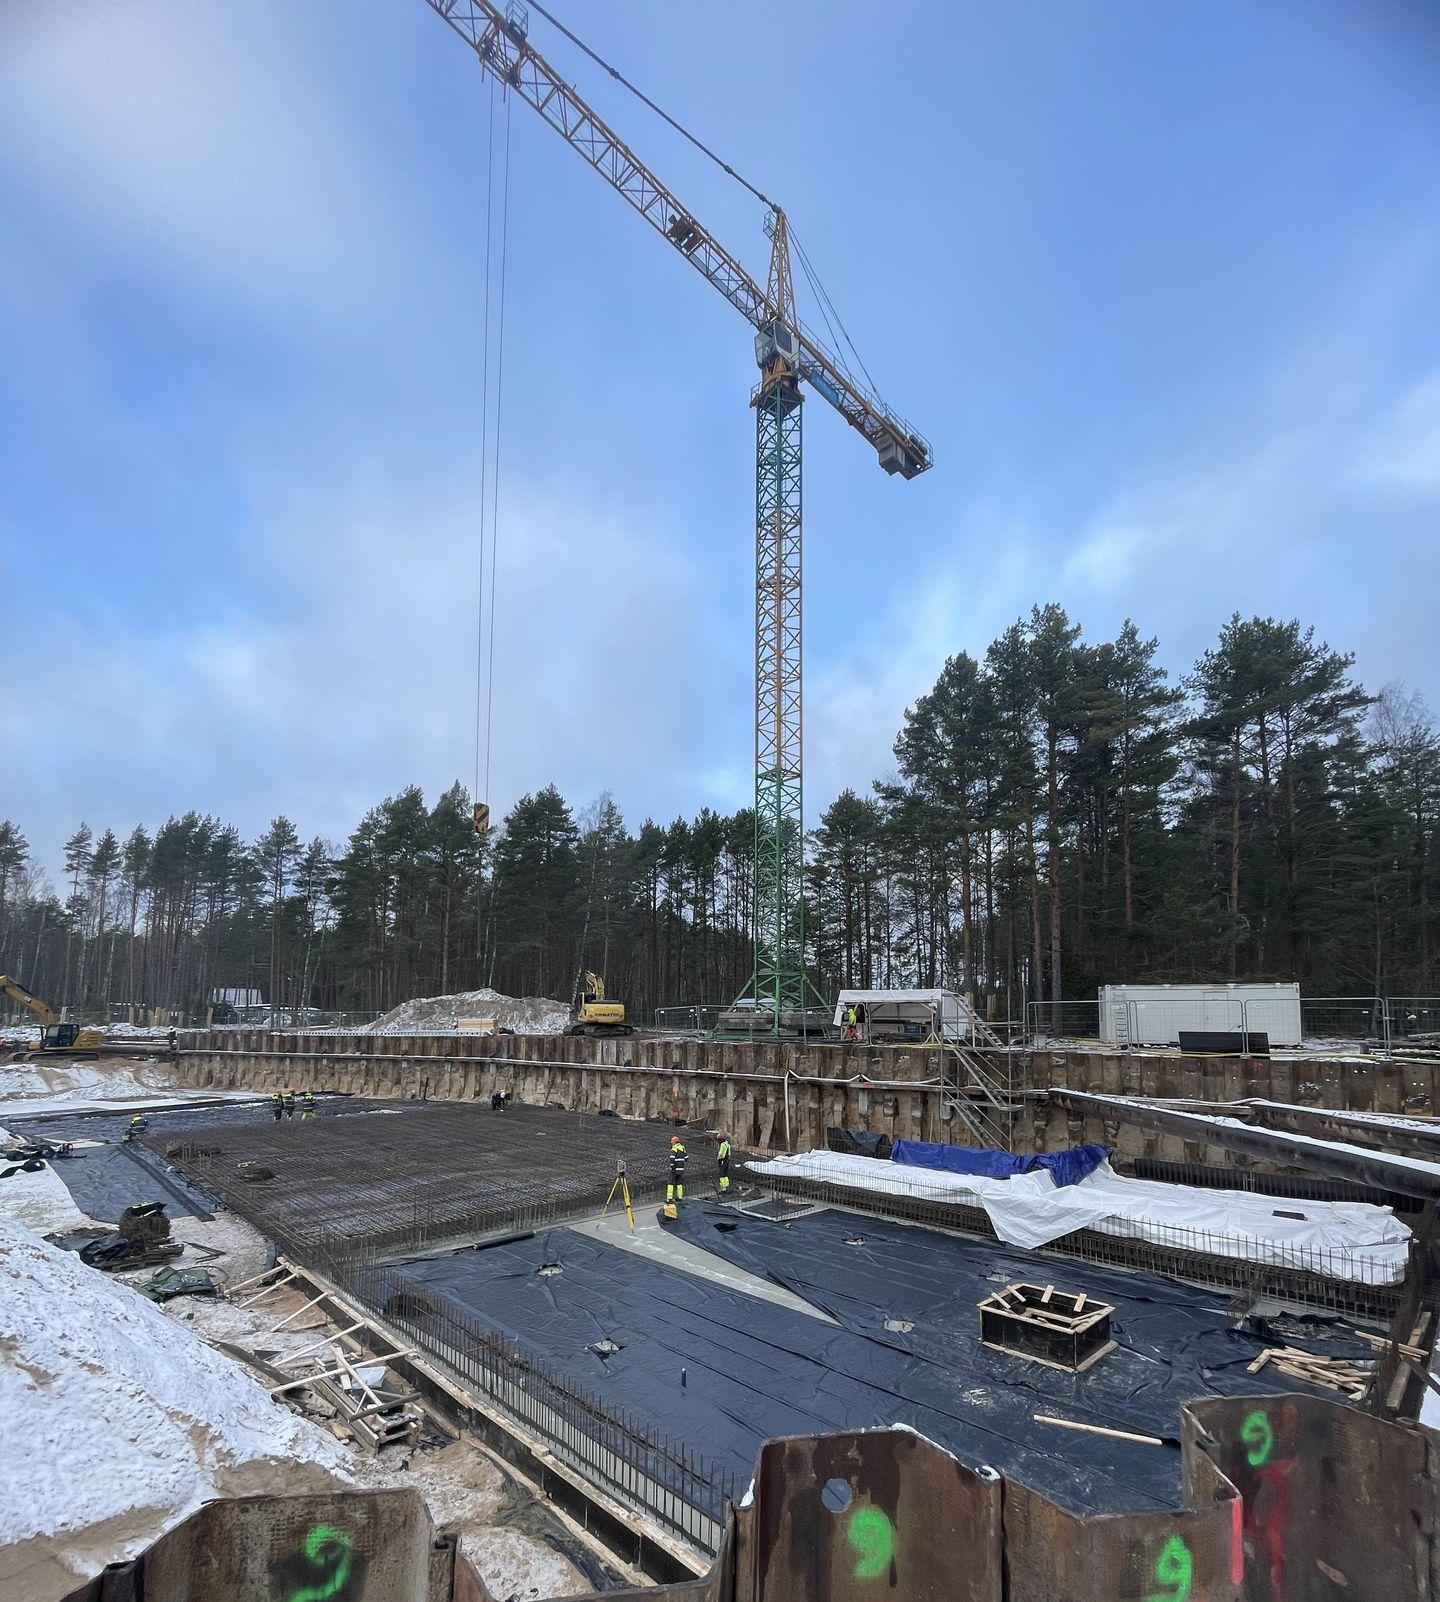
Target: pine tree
[[536, 891], [77, 865], [100, 876], [134, 868], [14, 855], [277, 853]]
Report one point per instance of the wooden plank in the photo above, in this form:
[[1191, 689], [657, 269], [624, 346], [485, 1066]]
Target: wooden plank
[[335, 1373], [325, 1340], [1098, 1429], [291, 1317], [260, 1295]]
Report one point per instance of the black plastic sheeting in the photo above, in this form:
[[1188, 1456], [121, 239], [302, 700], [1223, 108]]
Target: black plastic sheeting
[[753, 1369], [104, 1180], [111, 1125], [1174, 1342]]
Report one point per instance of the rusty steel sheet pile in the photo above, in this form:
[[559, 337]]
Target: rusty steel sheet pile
[[1299, 1499]]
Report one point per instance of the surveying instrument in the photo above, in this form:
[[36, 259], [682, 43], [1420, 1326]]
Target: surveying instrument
[[622, 1185]]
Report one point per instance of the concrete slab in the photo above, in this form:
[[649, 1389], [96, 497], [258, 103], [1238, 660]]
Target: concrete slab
[[649, 1240]]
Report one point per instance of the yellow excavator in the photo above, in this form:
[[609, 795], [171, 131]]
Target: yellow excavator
[[55, 1037], [596, 1016]]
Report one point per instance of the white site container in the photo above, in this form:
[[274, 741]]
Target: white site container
[[1154, 1015]]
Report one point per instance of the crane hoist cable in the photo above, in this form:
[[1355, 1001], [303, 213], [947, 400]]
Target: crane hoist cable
[[490, 447], [495, 474], [645, 100], [484, 442]]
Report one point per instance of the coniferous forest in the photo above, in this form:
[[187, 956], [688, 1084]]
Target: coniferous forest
[[1061, 814]]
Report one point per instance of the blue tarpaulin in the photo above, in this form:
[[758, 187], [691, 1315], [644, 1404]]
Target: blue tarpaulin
[[1066, 1167]]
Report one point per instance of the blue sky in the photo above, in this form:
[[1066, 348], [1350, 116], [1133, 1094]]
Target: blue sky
[[1158, 282]]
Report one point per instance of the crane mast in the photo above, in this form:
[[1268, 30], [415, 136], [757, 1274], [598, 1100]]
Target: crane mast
[[777, 985], [786, 353]]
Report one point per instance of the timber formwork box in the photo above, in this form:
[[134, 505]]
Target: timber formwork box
[[1287, 1499], [1060, 1328]]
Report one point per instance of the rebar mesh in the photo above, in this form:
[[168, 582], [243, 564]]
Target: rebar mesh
[[343, 1196], [416, 1175]]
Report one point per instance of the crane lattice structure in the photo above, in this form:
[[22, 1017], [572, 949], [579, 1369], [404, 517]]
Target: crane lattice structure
[[786, 353]]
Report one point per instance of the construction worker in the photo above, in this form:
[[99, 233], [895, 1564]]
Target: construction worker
[[137, 1127], [307, 1104], [289, 1102], [722, 1162], [277, 1105], [675, 1188], [852, 1023]]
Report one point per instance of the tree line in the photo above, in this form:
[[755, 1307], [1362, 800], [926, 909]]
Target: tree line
[[1060, 815]]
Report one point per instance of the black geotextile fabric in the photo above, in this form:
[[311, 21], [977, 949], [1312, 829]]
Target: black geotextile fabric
[[753, 1370], [111, 1125], [104, 1180], [1174, 1342]]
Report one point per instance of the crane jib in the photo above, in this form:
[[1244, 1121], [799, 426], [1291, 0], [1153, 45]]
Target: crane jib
[[500, 41]]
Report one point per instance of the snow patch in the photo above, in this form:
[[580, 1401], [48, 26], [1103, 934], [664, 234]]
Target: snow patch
[[432, 1015], [37, 1200], [126, 1423]]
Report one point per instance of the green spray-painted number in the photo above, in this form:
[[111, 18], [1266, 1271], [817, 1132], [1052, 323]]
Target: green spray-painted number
[[326, 1547], [1259, 1437], [1174, 1568], [872, 1535]]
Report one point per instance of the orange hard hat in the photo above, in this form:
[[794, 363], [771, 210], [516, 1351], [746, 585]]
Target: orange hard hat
[[674, 1140]]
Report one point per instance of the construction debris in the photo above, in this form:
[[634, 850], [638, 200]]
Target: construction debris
[[1332, 1373], [140, 1422]]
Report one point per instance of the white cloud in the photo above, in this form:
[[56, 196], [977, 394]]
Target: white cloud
[[360, 678], [193, 140], [1402, 454]]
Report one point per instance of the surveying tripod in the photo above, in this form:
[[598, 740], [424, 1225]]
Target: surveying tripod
[[623, 1186]]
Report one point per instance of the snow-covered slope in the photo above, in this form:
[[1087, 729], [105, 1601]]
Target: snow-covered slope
[[119, 1422]]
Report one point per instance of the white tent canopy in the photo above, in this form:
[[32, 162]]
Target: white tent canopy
[[945, 1013]]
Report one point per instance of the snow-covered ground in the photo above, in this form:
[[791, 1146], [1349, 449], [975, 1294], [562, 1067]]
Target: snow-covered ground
[[1343, 1240], [428, 1015], [120, 1422], [127, 1419], [38, 1200], [56, 1085], [28, 1034]]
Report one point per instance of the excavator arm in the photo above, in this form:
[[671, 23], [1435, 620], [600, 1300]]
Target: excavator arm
[[27, 998], [595, 987]]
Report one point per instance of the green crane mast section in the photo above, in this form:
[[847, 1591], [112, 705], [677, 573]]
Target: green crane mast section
[[786, 354]]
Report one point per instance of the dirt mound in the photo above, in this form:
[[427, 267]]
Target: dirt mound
[[438, 1015]]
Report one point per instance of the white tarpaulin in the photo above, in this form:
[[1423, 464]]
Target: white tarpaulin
[[1343, 1240]]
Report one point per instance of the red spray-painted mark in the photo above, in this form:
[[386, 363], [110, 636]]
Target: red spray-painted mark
[[1267, 1518], [1237, 1540]]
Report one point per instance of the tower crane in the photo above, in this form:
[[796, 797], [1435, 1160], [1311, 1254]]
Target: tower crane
[[787, 355]]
